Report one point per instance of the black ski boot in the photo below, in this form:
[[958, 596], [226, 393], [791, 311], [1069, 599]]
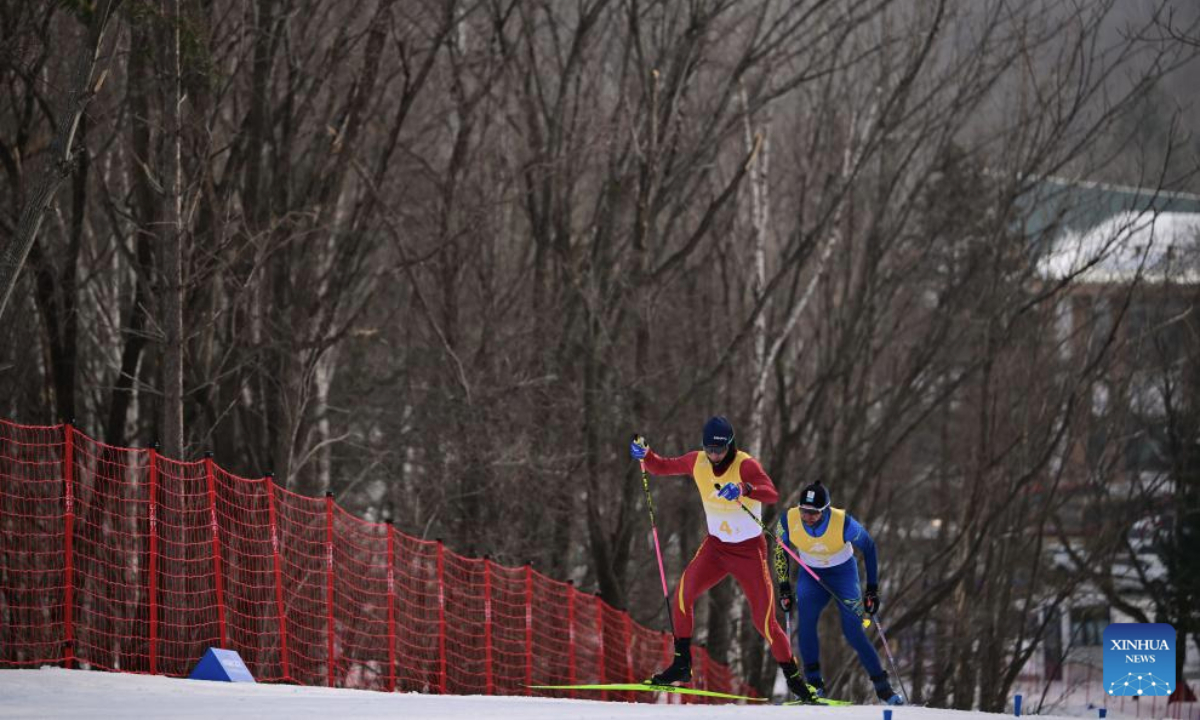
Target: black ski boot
[[795, 681], [812, 675], [884, 690], [680, 669]]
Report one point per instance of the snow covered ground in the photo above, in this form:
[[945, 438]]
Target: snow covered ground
[[57, 693]]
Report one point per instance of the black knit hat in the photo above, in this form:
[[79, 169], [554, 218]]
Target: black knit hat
[[814, 497]]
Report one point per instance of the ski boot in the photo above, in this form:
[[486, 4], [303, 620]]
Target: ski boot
[[883, 689], [680, 669], [795, 682], [812, 675]]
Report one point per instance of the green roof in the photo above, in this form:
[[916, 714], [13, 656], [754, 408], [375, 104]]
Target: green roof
[[1078, 206]]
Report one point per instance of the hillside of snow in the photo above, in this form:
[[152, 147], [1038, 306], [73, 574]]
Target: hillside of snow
[[58, 693]]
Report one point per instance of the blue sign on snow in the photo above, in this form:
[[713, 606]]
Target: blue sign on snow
[[221, 665]]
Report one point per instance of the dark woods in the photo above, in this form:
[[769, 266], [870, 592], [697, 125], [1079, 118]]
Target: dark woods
[[442, 258]]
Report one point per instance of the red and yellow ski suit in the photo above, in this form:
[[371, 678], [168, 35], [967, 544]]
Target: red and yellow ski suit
[[735, 544]]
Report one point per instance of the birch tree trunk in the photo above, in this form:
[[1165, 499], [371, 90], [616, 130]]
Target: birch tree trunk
[[759, 213]]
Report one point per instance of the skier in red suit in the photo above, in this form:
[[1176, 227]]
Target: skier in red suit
[[735, 545]]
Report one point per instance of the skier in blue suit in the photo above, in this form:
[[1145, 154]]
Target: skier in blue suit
[[825, 538]]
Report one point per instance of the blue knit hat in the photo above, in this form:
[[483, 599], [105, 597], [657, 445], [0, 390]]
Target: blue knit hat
[[717, 432]]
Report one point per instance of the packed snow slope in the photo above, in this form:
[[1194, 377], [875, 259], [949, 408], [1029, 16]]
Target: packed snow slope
[[74, 694]]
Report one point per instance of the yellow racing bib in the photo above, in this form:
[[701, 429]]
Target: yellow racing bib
[[726, 521], [828, 548]]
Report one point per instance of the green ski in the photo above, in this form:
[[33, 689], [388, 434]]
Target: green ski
[[820, 701], [646, 687]]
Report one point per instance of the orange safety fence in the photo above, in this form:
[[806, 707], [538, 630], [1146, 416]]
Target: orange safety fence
[[121, 559]]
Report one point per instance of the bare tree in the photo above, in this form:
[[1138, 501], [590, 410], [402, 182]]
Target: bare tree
[[443, 257], [84, 83]]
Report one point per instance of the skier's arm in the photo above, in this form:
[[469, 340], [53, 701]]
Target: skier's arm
[[756, 484], [658, 465], [857, 535]]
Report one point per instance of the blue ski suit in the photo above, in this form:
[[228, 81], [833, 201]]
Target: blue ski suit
[[832, 559]]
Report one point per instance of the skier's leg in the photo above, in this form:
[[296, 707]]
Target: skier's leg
[[810, 601], [705, 570], [843, 580], [702, 573], [753, 573]]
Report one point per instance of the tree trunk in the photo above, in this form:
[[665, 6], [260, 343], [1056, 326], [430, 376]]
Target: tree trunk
[[145, 206], [171, 432], [61, 156]]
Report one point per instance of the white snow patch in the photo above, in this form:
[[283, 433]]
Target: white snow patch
[[74, 694]]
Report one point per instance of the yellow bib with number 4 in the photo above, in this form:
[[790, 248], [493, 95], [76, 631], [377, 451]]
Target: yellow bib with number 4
[[726, 521]]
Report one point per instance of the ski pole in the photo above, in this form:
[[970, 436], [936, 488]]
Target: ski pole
[[891, 661], [787, 623], [865, 621], [662, 573]]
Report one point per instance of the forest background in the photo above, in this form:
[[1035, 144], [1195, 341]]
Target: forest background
[[442, 258]]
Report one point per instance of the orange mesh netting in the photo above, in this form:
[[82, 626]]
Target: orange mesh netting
[[121, 559]]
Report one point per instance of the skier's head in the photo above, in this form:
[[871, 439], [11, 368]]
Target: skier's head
[[718, 439], [814, 501]]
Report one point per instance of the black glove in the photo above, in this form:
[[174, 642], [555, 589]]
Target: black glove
[[787, 598], [871, 599]]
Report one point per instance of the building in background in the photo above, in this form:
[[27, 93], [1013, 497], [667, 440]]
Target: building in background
[[1133, 258]]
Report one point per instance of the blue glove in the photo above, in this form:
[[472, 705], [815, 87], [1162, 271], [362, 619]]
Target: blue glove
[[730, 491], [638, 448]]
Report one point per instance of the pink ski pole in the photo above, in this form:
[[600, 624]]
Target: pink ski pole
[[662, 573]]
